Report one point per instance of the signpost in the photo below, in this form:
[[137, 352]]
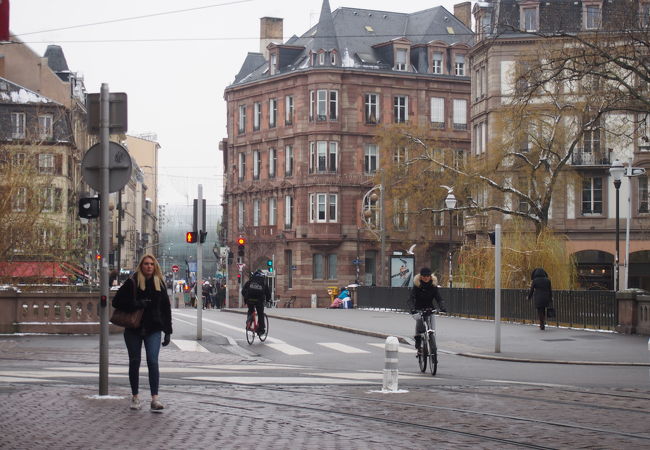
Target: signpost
[[175, 268]]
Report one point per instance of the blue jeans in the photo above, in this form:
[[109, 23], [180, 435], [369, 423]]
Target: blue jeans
[[133, 341]]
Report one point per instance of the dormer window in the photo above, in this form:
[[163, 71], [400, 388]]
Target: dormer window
[[459, 65], [333, 58], [591, 15], [436, 62], [529, 17], [401, 59], [321, 58], [274, 63]]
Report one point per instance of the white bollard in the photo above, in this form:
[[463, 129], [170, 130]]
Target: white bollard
[[390, 364]]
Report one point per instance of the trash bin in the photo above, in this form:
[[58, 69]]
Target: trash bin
[[314, 301]]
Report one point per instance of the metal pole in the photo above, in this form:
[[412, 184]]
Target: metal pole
[[199, 265], [451, 274], [382, 228], [273, 278], [105, 233], [497, 288], [227, 296], [627, 225], [617, 185]]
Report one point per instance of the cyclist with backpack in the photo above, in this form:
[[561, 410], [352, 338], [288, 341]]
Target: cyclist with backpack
[[255, 293]]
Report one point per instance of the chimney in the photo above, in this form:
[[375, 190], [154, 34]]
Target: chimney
[[463, 12], [270, 31]]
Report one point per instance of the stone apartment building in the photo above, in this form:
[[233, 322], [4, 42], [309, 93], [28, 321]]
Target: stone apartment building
[[301, 150], [508, 31]]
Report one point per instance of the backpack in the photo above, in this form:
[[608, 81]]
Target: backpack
[[255, 290]]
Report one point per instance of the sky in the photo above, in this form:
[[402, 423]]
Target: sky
[[173, 59]]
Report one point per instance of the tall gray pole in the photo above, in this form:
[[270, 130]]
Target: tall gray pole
[[382, 219], [104, 112], [497, 288], [199, 266], [627, 224]]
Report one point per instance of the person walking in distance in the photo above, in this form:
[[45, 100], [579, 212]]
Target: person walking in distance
[[255, 293], [423, 292], [146, 289], [541, 293]]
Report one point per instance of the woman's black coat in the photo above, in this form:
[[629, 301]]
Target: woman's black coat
[[540, 289], [157, 314]]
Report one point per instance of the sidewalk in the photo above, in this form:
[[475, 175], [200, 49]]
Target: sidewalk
[[476, 338]]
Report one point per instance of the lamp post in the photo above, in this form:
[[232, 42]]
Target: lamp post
[[375, 223], [616, 171], [450, 202]]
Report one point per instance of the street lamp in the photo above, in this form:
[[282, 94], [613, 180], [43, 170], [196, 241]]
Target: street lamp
[[450, 202], [373, 203], [617, 171]]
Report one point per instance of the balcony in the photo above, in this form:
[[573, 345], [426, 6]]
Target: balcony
[[476, 224], [580, 158]]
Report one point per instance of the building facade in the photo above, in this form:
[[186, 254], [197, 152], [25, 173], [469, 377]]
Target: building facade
[[303, 118], [584, 203]]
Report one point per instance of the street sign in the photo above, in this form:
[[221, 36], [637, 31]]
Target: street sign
[[634, 171], [175, 268], [356, 262], [118, 112], [240, 266], [120, 167]]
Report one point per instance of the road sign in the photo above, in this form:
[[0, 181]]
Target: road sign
[[120, 167], [356, 262], [240, 266], [175, 268]]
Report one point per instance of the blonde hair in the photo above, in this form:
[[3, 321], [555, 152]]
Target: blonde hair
[[157, 273]]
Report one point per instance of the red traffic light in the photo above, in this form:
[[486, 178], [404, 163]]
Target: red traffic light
[[190, 237], [98, 256], [241, 241]]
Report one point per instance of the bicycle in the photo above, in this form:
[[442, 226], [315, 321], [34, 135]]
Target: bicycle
[[428, 349], [252, 325]]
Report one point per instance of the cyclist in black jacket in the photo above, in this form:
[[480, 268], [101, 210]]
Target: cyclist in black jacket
[[423, 292], [255, 293]]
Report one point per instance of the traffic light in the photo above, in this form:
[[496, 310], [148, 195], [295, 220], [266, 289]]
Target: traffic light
[[269, 264], [241, 243], [190, 237], [89, 207], [203, 234], [230, 257], [239, 278], [98, 257]]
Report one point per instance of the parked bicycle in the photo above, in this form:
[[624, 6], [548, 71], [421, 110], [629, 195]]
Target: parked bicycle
[[428, 350], [252, 326]]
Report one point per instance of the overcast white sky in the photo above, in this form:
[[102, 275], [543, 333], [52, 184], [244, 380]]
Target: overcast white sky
[[174, 67]]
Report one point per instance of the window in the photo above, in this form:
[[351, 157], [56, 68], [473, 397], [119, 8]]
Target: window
[[460, 114], [46, 163], [370, 159], [323, 156], [400, 156], [274, 63], [530, 22], [323, 104], [479, 142], [257, 115], [288, 110], [273, 161], [436, 61], [401, 59], [288, 160], [242, 166], [438, 112], [400, 214], [324, 266], [372, 108], [19, 201], [458, 159], [19, 159], [47, 199], [273, 211], [256, 212], [643, 193], [242, 119], [45, 126], [273, 112], [592, 195], [644, 15], [17, 125], [591, 16], [333, 58], [257, 164], [400, 109], [591, 139], [321, 58], [45, 237], [240, 214], [323, 207], [288, 212], [523, 187], [459, 65]]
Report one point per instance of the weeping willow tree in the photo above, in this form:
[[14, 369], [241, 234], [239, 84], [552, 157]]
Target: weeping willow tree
[[520, 253]]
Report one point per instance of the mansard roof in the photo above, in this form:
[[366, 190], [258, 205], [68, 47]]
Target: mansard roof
[[12, 93], [356, 36]]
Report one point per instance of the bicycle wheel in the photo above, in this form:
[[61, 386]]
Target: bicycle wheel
[[422, 357], [433, 354], [266, 328], [250, 330]]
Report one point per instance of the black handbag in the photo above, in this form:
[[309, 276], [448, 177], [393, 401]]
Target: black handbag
[[550, 312], [125, 319]]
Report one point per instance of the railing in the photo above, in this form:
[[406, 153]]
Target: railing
[[582, 309], [579, 158], [478, 223]]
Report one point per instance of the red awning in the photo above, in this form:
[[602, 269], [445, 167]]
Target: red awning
[[33, 269]]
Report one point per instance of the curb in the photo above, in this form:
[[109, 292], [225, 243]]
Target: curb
[[407, 341]]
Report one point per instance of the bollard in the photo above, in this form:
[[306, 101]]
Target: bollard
[[390, 364]]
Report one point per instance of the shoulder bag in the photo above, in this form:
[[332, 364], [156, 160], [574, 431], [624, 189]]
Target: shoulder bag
[[126, 319]]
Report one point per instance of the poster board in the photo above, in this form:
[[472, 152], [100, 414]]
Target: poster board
[[402, 270]]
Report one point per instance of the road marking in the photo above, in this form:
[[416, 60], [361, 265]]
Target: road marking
[[287, 349], [342, 347], [278, 380], [189, 346], [20, 379], [401, 348], [362, 375], [529, 383]]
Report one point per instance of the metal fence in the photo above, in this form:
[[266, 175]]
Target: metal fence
[[583, 309]]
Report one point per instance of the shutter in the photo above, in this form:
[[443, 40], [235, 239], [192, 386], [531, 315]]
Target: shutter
[[58, 164]]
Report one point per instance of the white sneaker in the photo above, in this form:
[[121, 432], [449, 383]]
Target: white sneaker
[[135, 403]]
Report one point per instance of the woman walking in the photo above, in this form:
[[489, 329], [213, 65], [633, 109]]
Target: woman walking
[[146, 289], [542, 293]]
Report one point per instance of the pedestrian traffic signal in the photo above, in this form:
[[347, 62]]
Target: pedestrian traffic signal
[[269, 264], [98, 256], [89, 207], [241, 243], [239, 278], [230, 257], [190, 237], [203, 235]]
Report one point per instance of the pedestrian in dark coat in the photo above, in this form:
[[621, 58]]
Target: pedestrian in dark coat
[[541, 293]]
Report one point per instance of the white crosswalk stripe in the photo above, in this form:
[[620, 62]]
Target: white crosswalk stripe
[[287, 349], [342, 347]]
